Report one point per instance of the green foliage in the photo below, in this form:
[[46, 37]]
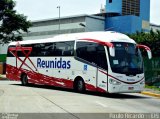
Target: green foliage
[[152, 87], [151, 39], [12, 24], [3, 57]]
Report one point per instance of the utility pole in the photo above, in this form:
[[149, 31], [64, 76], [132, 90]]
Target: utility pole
[[59, 27]]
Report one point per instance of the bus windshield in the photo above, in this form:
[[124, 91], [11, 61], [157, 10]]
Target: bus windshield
[[127, 59]]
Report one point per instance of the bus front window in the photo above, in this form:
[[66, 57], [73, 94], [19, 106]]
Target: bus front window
[[127, 60]]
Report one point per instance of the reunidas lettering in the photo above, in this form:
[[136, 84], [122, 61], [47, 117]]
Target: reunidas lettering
[[53, 63]]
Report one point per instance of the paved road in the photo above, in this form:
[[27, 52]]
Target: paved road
[[15, 98]]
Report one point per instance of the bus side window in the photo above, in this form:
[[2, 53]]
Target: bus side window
[[64, 48], [101, 57], [9, 53], [48, 49], [36, 50], [87, 51], [19, 53]]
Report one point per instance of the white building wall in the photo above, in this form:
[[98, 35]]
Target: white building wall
[[37, 37], [3, 49], [55, 27], [155, 28], [50, 28], [95, 24]]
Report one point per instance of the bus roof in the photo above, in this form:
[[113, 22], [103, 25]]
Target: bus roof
[[104, 36]]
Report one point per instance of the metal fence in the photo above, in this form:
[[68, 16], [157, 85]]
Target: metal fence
[[152, 71]]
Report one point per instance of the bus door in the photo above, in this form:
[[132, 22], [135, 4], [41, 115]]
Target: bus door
[[102, 69]]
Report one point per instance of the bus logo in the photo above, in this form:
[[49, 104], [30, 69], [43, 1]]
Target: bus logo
[[56, 63]]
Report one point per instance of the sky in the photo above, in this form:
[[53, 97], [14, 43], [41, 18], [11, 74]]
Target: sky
[[46, 9]]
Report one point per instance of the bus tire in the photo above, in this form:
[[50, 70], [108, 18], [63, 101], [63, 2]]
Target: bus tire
[[24, 80], [79, 85]]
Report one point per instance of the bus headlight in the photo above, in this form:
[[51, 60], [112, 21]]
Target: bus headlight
[[114, 82]]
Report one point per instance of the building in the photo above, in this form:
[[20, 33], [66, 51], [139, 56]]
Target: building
[[51, 27], [72, 24], [128, 16], [154, 27]]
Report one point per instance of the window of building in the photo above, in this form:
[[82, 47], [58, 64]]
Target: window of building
[[110, 1], [131, 7]]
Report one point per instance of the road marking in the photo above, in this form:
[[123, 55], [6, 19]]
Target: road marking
[[99, 103]]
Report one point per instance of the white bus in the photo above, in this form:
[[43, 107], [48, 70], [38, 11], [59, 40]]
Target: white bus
[[95, 61]]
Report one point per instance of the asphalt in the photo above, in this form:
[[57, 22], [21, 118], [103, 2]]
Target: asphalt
[[147, 91], [15, 98]]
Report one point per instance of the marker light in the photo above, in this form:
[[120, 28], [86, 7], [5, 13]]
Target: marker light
[[114, 82]]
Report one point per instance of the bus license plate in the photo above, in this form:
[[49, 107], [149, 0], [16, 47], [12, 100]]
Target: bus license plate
[[130, 88]]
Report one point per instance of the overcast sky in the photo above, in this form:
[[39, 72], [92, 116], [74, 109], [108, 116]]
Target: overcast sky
[[45, 9]]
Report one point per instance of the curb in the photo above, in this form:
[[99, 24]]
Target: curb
[[1, 78], [151, 94]]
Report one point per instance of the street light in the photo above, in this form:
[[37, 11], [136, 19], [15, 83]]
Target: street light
[[59, 28], [86, 28], [81, 24]]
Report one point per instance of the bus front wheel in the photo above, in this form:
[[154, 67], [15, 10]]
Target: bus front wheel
[[24, 79]]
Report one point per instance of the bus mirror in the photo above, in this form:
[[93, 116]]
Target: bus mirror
[[112, 51], [111, 48], [149, 53]]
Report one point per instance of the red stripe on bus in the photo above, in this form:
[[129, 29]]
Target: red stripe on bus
[[13, 73], [143, 46], [100, 42]]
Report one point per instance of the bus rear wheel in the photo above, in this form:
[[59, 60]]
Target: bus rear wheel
[[24, 80], [80, 85]]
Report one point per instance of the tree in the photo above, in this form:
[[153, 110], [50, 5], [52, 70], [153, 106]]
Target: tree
[[151, 39], [12, 24]]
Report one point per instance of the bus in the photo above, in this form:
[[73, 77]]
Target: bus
[[108, 62]]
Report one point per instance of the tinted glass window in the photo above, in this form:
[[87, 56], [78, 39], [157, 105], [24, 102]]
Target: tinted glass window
[[48, 49], [9, 53], [93, 53], [110, 1], [87, 51], [18, 52], [127, 59], [101, 57], [64, 49], [53, 49], [37, 49]]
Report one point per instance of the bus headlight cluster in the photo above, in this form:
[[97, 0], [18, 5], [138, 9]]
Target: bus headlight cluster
[[114, 82]]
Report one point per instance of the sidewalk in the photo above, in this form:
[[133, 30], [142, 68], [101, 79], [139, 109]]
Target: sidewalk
[[3, 77], [151, 92]]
